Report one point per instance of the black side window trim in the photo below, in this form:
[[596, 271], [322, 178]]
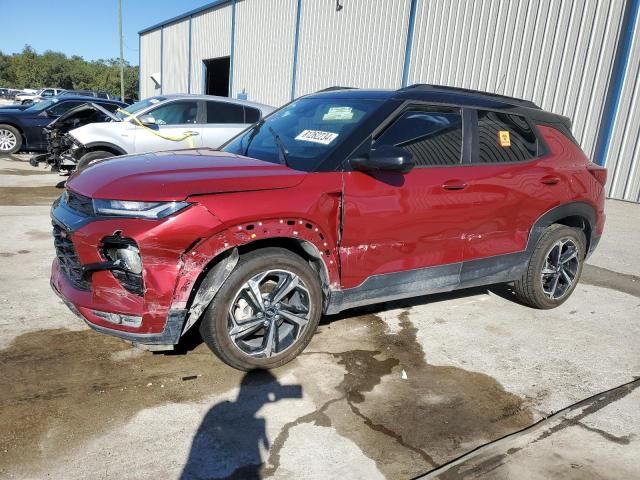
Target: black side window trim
[[425, 106], [542, 147]]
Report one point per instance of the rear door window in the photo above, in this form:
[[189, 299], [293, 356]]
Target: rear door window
[[432, 135], [223, 112], [504, 137]]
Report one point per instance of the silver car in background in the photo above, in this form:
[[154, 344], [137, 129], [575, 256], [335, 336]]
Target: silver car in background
[[166, 122]]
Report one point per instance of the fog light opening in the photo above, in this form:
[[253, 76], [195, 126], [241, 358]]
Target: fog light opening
[[118, 319]]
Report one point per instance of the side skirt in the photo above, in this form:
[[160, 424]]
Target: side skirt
[[430, 280]]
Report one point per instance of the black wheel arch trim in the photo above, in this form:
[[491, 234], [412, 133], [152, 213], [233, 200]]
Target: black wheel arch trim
[[572, 209], [105, 145]]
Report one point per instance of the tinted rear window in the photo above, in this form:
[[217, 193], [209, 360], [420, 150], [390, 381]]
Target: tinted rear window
[[222, 112], [252, 115], [504, 137]]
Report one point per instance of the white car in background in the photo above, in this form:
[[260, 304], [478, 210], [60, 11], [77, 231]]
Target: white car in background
[[166, 122], [27, 98]]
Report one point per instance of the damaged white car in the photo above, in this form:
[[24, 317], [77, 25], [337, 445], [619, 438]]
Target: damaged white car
[[164, 123]]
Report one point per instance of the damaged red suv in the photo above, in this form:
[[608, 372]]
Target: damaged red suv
[[339, 199]]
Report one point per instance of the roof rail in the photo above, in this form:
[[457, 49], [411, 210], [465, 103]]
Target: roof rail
[[335, 87], [468, 91]]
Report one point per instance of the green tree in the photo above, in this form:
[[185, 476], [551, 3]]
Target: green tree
[[28, 69]]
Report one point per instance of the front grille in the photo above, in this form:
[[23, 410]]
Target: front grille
[[67, 257], [79, 203]]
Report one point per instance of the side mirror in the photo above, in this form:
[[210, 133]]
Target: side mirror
[[385, 159], [147, 120]]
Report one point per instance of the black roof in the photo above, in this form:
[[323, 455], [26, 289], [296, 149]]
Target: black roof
[[450, 96], [423, 91], [86, 98]]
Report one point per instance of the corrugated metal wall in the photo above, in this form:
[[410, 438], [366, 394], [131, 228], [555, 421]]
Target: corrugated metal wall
[[210, 38], [558, 54], [150, 62], [175, 64], [263, 52], [623, 154], [361, 46]]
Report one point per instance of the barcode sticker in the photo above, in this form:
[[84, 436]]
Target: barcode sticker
[[317, 136]]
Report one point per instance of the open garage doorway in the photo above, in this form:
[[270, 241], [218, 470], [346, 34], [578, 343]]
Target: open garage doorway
[[216, 76]]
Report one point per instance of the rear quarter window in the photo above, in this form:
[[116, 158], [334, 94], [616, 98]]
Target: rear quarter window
[[504, 137], [252, 115], [222, 112]]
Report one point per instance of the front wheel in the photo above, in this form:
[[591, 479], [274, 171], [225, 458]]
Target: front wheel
[[554, 268], [266, 312], [10, 139], [88, 158]]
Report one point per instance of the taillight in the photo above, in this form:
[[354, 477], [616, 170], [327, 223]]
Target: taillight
[[599, 173]]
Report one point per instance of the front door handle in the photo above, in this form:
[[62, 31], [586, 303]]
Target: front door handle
[[550, 180], [193, 134], [454, 185]]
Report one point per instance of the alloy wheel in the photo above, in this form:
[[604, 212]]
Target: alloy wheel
[[269, 313], [8, 140], [560, 269]]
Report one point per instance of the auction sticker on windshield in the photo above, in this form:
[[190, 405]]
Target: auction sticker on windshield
[[338, 113], [317, 136]]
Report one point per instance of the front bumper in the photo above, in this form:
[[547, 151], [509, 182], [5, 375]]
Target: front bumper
[[170, 335], [162, 244]]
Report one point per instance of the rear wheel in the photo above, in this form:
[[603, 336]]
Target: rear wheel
[[10, 139], [91, 157], [554, 268], [266, 312]]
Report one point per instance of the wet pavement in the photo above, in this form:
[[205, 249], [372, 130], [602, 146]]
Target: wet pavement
[[391, 391]]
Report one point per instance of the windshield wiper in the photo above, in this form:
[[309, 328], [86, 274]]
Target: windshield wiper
[[252, 135], [284, 153]]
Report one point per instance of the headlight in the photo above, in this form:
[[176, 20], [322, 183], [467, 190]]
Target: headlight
[[126, 208]]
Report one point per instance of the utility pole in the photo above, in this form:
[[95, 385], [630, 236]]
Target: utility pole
[[121, 50]]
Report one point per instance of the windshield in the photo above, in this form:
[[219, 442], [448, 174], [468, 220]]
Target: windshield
[[306, 130], [43, 105], [139, 106]]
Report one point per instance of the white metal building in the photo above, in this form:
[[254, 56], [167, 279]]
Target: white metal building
[[580, 58]]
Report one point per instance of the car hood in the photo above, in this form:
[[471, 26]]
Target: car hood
[[177, 175], [13, 108], [79, 110]]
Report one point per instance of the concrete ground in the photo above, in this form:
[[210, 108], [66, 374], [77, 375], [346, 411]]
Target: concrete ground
[[393, 391]]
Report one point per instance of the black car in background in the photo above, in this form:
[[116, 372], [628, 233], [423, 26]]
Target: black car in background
[[87, 93], [22, 129]]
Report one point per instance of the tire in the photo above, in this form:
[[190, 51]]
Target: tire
[[90, 157], [248, 349], [548, 283], [10, 139], [27, 102]]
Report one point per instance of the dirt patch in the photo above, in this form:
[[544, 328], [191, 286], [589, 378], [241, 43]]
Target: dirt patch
[[60, 387], [405, 414], [21, 196]]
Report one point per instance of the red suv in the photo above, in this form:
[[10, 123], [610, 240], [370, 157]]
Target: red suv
[[339, 199]]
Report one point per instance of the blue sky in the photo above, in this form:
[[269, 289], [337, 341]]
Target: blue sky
[[87, 28]]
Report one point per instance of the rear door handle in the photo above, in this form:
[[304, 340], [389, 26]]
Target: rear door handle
[[454, 185], [550, 180], [193, 134]]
